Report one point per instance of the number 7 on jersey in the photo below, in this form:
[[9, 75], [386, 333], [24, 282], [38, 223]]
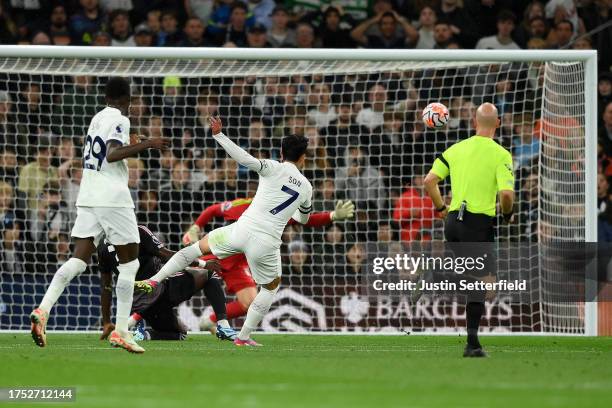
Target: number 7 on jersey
[[294, 196]]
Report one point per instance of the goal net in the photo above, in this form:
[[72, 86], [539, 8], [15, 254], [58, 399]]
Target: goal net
[[367, 144]]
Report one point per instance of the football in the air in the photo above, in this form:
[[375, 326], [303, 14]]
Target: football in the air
[[435, 115]]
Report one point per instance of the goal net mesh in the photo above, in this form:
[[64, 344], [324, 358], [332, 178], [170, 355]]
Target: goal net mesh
[[367, 144]]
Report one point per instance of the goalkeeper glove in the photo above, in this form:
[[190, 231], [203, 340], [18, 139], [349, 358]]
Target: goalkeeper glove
[[192, 235], [343, 210]]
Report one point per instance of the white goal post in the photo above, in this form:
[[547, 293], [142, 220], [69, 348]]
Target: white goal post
[[547, 90]]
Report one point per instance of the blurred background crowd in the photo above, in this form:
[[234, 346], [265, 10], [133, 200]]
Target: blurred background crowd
[[367, 142]]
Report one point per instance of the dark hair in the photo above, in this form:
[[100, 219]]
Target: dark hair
[[116, 13], [117, 88], [506, 15], [293, 147], [565, 22], [239, 5], [388, 14]]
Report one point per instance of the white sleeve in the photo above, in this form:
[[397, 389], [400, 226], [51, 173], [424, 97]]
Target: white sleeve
[[239, 154], [120, 131], [302, 214]]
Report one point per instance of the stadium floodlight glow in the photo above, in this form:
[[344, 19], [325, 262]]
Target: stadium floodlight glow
[[557, 87]]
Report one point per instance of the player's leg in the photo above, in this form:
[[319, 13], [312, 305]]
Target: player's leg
[[164, 323], [121, 230], [239, 307], [265, 265], [86, 232], [217, 241]]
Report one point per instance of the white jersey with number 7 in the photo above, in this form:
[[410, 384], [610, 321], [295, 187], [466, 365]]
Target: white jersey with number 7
[[283, 193]]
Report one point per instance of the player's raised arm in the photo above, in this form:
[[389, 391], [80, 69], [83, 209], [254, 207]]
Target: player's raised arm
[[236, 152]]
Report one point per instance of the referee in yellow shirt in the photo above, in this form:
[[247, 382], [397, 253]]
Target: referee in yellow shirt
[[480, 169]]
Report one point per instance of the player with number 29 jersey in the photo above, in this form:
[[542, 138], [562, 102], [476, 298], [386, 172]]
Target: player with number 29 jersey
[[105, 184]]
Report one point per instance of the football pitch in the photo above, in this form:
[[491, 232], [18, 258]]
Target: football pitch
[[316, 371]]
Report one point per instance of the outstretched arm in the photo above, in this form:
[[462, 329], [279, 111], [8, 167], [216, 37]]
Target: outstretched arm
[[118, 152], [235, 151]]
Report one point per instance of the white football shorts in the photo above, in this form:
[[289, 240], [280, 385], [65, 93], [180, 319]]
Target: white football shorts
[[117, 223], [264, 259]]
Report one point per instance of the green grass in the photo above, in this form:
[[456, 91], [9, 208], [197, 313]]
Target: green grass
[[317, 371]]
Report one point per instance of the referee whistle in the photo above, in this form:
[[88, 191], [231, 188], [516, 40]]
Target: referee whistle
[[461, 211]]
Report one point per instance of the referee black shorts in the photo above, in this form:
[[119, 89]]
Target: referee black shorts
[[473, 228]]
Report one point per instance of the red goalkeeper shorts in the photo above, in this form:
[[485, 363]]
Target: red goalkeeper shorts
[[235, 272]]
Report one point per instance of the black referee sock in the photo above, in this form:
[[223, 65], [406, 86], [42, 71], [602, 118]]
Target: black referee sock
[[215, 295], [473, 311]]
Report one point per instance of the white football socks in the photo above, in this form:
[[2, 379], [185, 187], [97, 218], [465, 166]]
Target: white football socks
[[258, 309], [178, 262], [71, 268], [125, 294]]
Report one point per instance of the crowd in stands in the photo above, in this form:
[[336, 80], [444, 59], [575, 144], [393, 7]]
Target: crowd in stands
[[366, 141]]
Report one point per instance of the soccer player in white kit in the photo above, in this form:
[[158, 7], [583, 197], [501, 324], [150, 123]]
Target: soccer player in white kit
[[283, 193], [104, 207]]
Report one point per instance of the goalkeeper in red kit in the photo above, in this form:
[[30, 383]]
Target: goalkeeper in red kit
[[235, 269]]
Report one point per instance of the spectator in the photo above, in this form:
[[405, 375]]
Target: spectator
[[331, 252], [605, 131], [40, 38], [360, 182], [460, 23], [341, 133], [154, 22], [332, 30], [8, 29], [257, 36], [8, 165], [101, 39], [414, 212], [582, 43], [58, 26], [169, 34], [538, 28], [34, 176], [148, 209], [427, 22], [194, 34], [262, 10], [220, 17], [503, 39], [9, 227], [527, 147], [88, 21], [355, 259], [533, 25], [388, 37], [236, 29], [323, 112], [604, 92], [558, 10], [8, 131], [325, 194], [373, 116], [31, 114], [299, 261], [442, 35], [279, 34], [70, 174], [200, 9], [78, 104], [163, 175], [120, 29], [484, 14], [304, 36], [143, 36], [316, 156], [204, 169], [178, 203], [136, 169], [45, 221], [603, 193], [562, 35], [537, 44]]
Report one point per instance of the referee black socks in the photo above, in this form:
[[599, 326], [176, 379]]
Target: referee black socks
[[474, 311]]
